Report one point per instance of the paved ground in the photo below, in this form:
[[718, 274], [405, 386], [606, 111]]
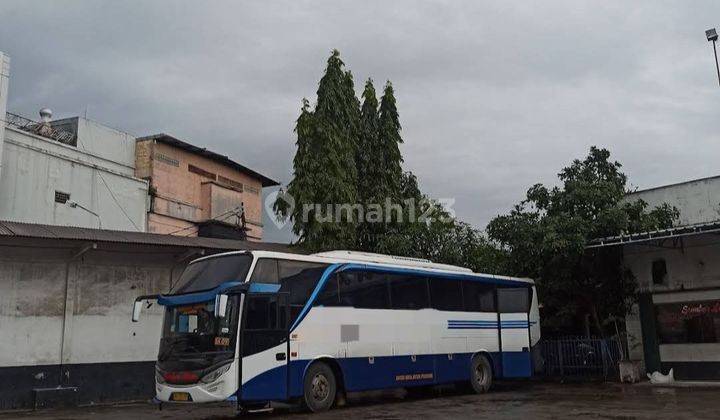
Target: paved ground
[[524, 401]]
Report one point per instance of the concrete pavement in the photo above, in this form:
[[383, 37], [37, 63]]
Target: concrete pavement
[[506, 401]]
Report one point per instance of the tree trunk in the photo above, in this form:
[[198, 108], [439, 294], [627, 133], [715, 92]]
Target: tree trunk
[[596, 318]]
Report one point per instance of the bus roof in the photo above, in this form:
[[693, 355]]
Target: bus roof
[[334, 257]]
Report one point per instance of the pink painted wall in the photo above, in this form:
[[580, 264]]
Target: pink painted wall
[[183, 198]]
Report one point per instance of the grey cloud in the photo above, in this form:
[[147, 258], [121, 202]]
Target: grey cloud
[[493, 96]]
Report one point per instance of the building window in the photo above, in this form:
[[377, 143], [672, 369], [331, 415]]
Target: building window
[[202, 172], [688, 322], [61, 197], [166, 159], [231, 183], [252, 190], [659, 271]]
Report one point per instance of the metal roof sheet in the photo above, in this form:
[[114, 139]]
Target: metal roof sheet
[[31, 230]]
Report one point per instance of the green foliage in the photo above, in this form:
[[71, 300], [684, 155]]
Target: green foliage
[[389, 140], [324, 163], [369, 158], [545, 237], [369, 155], [350, 154]]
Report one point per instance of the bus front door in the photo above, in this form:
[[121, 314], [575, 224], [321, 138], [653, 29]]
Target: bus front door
[[265, 351]]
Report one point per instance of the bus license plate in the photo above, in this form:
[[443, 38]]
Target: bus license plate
[[180, 396]]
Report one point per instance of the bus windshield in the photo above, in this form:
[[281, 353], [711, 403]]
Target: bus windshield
[[193, 339], [211, 272]]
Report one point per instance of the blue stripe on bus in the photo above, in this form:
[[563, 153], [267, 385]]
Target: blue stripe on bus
[[263, 288], [385, 372], [487, 325], [435, 274], [321, 283]]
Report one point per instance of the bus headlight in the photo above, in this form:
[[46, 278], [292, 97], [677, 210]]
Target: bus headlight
[[212, 376]]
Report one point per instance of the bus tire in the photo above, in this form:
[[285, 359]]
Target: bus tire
[[481, 375], [319, 387]]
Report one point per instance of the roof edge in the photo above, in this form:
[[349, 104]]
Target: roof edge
[[222, 159]]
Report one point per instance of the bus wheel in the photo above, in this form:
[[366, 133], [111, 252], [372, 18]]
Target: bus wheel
[[320, 387], [481, 374]]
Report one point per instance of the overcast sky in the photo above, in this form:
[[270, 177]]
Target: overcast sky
[[493, 96]]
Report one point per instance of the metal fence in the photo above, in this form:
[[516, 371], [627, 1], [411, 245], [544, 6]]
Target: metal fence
[[580, 357], [41, 129]]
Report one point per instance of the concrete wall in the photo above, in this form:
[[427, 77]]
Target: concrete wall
[[698, 201], [72, 315], [4, 85], [693, 274], [101, 141], [179, 192], [36, 167]]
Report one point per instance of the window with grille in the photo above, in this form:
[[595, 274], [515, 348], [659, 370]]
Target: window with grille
[[166, 159]]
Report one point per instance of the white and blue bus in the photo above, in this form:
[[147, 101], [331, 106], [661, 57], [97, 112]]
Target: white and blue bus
[[257, 327]]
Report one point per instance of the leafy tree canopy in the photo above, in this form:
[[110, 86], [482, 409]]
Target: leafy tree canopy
[[545, 237], [324, 164]]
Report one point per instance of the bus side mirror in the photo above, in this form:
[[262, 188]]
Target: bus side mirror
[[137, 308], [221, 306]]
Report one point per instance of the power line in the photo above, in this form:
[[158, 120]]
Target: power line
[[111, 193], [118, 204], [193, 226], [234, 213]]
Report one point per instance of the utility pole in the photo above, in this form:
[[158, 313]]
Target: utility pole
[[712, 35]]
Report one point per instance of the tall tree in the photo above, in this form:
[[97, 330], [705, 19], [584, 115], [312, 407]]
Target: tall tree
[[324, 164], [389, 140], [368, 161], [545, 237]]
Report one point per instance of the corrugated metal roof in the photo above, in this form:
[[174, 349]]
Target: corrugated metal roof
[[656, 235], [30, 230], [172, 141]]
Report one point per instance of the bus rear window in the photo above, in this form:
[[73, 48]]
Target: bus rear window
[[209, 273], [514, 300]]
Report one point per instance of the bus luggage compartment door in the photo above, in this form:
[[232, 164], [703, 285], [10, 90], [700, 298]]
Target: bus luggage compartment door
[[265, 347]]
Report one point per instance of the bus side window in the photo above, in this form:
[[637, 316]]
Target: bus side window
[[329, 295], [299, 279], [446, 295], [409, 292], [514, 300], [265, 271], [478, 296], [364, 290]]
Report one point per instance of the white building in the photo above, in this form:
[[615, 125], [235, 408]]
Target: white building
[[676, 323], [71, 172]]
